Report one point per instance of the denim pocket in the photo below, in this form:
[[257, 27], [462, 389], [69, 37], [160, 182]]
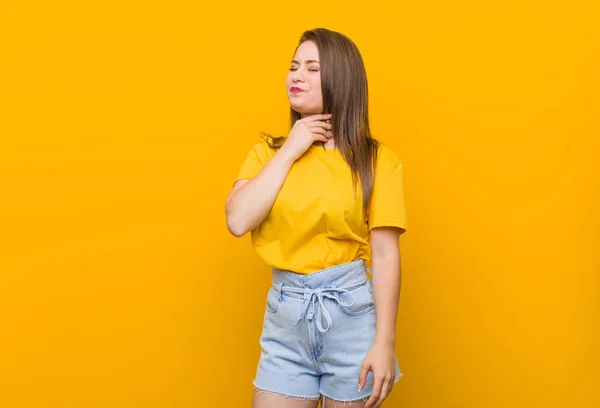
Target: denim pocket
[[272, 300], [364, 302]]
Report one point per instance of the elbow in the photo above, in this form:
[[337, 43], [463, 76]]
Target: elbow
[[236, 229], [238, 233]]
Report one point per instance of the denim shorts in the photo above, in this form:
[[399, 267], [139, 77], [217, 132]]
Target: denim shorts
[[317, 330]]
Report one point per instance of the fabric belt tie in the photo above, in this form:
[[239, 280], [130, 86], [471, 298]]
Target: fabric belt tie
[[313, 298]]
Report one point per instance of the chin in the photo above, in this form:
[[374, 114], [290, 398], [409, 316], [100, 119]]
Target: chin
[[299, 109], [303, 110]]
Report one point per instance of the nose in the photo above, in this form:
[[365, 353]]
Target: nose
[[297, 75]]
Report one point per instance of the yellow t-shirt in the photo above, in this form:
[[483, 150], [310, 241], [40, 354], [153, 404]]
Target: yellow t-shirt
[[316, 222]]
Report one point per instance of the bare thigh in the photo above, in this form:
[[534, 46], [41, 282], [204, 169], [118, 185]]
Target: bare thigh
[[329, 403], [264, 399]]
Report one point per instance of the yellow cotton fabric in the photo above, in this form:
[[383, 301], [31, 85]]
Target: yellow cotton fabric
[[316, 221]]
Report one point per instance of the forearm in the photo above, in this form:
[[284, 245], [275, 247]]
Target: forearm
[[386, 289], [251, 203]]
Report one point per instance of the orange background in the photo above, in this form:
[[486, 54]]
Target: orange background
[[123, 125]]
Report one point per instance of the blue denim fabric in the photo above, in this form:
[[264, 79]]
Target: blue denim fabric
[[317, 330]]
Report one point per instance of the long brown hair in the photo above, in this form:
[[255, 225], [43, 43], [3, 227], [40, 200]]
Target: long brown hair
[[345, 95]]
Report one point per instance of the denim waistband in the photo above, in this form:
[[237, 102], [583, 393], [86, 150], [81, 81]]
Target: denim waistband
[[327, 283]]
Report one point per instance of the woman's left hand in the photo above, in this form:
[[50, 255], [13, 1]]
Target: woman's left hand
[[381, 361]]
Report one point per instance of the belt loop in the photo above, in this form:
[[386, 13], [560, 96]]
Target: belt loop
[[280, 289]]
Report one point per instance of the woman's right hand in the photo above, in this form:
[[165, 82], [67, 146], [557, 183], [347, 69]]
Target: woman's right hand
[[305, 132]]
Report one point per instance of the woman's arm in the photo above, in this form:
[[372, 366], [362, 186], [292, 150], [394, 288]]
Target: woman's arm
[[385, 249], [385, 257], [251, 200]]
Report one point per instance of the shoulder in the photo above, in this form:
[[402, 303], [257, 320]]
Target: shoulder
[[387, 158], [262, 150]]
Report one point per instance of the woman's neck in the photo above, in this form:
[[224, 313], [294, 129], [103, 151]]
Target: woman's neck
[[330, 144]]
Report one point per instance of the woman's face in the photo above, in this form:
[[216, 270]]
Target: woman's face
[[305, 74]]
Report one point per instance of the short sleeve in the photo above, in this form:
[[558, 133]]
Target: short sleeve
[[254, 162], [388, 208]]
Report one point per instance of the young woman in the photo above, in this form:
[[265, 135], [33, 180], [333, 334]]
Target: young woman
[[321, 203]]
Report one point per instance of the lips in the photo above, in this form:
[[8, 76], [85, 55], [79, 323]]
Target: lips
[[295, 89]]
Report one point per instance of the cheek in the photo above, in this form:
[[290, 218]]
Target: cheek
[[316, 84], [316, 89]]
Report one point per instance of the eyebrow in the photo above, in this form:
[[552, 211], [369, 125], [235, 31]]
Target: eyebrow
[[306, 61]]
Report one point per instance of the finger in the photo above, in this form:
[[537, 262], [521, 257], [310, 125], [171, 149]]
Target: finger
[[362, 377], [376, 393], [319, 125], [392, 383], [385, 390], [319, 130], [322, 124], [320, 138], [322, 132], [319, 135]]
